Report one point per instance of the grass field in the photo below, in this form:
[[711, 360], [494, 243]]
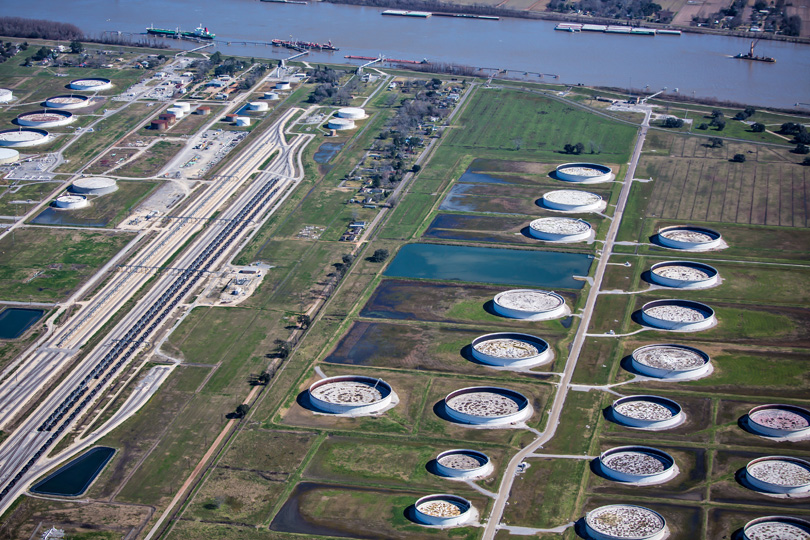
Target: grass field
[[36, 192], [152, 161], [49, 264]]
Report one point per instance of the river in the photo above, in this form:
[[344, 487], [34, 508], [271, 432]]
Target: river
[[696, 64]]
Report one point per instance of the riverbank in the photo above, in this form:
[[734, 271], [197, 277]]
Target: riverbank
[[494, 11]]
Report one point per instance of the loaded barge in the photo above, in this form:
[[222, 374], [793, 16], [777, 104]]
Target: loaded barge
[[304, 45], [199, 33]]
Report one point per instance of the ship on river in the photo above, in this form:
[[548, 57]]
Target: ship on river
[[751, 56], [198, 33]]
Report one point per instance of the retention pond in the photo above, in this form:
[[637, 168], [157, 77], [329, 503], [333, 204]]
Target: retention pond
[[490, 265], [15, 321], [74, 478]]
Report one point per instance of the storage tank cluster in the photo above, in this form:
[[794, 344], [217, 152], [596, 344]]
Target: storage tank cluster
[[96, 84], [487, 406], [45, 118], [93, 185], [352, 395], [24, 137], [67, 102], [511, 350], [530, 304]]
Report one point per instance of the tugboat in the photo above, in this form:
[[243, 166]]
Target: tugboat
[[751, 56]]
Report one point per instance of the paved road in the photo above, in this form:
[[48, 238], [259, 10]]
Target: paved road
[[505, 488]]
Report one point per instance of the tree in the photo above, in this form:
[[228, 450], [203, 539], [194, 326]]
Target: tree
[[304, 320], [379, 255], [672, 122], [716, 142], [579, 148], [738, 158], [568, 148], [348, 259], [791, 128], [719, 124], [801, 149], [703, 126], [76, 46], [716, 113], [756, 127], [265, 377], [216, 58], [282, 348], [806, 161], [416, 168], [241, 410]]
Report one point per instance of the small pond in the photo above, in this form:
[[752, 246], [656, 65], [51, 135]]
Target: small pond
[[73, 479], [549, 269], [326, 152], [15, 321]]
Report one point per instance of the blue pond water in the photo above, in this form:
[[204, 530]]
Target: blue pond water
[[74, 478], [490, 265], [480, 178], [15, 321], [326, 152]]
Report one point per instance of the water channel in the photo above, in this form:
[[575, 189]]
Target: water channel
[[698, 64], [549, 269]]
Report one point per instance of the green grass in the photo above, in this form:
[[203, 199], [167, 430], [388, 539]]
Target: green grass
[[545, 496], [151, 161], [34, 192], [49, 264]]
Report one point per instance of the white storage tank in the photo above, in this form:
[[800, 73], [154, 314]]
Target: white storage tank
[[777, 528], [8, 155], [639, 465], [572, 200], [45, 118], [690, 238], [530, 304], [443, 510], [560, 229], [340, 124], [258, 106], [487, 406], [625, 522], [91, 84], [352, 113], [354, 395], [678, 315], [176, 111], [463, 464], [93, 185], [24, 137], [780, 421], [781, 475], [185, 107], [584, 173], [71, 202], [66, 102], [272, 96], [671, 362], [6, 95], [511, 350], [684, 275], [283, 85], [647, 412], [242, 121]]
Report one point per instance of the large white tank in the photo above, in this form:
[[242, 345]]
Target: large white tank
[[341, 124], [94, 185], [8, 155], [177, 112], [487, 406], [353, 395], [352, 113], [443, 510], [66, 102], [186, 107], [283, 85], [71, 202], [91, 84], [24, 137], [242, 121], [6, 95], [258, 106], [45, 118], [272, 96]]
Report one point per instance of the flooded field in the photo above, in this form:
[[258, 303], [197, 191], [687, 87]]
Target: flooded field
[[326, 152], [548, 269], [15, 321]]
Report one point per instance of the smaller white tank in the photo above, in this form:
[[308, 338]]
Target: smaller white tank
[[6, 95], [560, 229], [678, 315], [283, 85], [272, 96], [779, 421], [443, 510], [511, 350], [340, 124], [690, 238], [625, 522], [647, 412], [177, 112], [242, 121], [71, 202], [640, 465], [530, 304], [463, 464], [91, 84], [781, 475], [352, 113], [684, 275], [185, 107], [67, 102], [777, 528], [572, 200], [8, 155], [258, 106], [672, 362]]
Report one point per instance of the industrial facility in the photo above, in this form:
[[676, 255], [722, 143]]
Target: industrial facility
[[530, 304], [352, 395], [93, 185], [463, 464], [779, 475], [91, 85], [778, 421], [45, 118], [560, 229], [678, 315], [487, 406], [690, 238], [572, 200], [639, 465], [511, 350], [66, 102], [684, 275], [647, 412], [443, 510], [671, 362], [584, 173], [24, 137], [625, 522]]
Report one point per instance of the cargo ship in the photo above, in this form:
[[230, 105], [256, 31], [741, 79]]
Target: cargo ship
[[198, 33], [751, 56], [296, 45]]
